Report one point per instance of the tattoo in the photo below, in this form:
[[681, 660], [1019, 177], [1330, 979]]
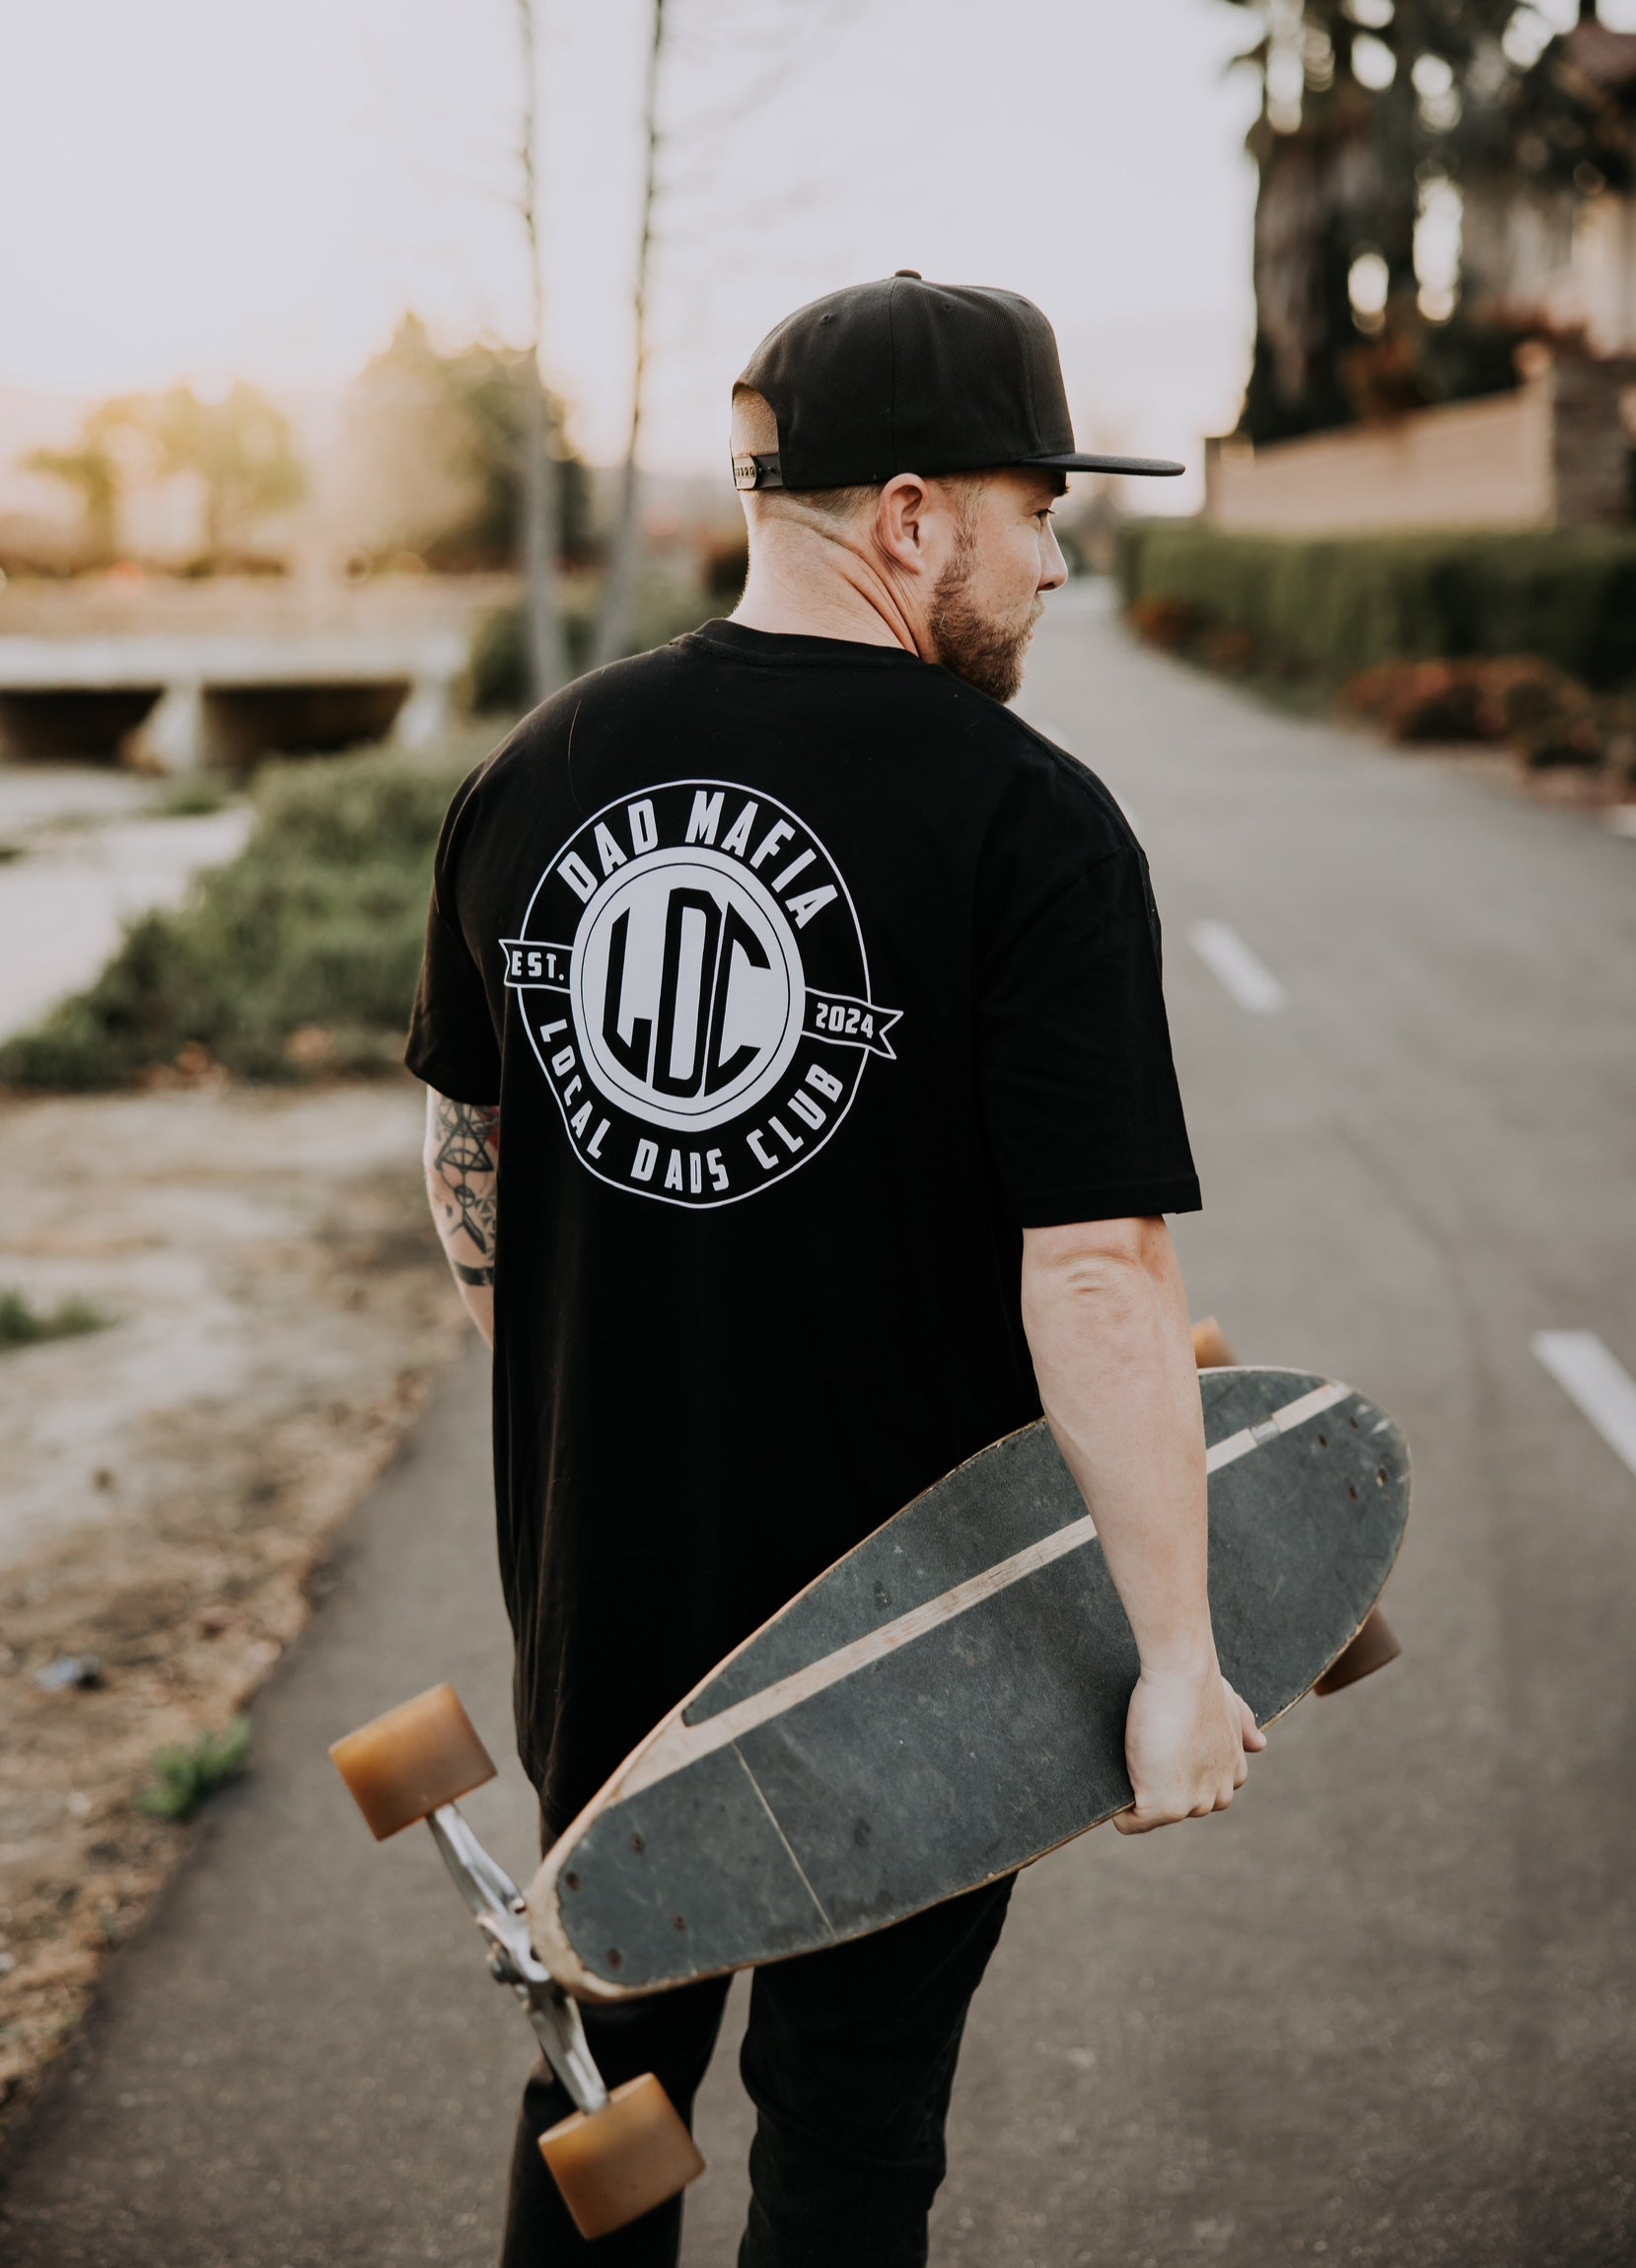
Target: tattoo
[[468, 1138], [472, 1275]]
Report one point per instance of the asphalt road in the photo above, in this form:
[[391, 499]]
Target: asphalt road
[[1384, 2012]]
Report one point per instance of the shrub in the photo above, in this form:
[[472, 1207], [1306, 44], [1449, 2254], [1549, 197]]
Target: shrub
[[1342, 605], [665, 605], [195, 796], [315, 929], [499, 664], [185, 1778], [1424, 701], [1171, 624], [22, 1325], [1534, 706]]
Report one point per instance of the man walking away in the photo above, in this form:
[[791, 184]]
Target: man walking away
[[818, 997]]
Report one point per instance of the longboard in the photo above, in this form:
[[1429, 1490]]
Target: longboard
[[945, 1704], [948, 1702]]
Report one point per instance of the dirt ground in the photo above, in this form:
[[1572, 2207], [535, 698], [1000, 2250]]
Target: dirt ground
[[169, 1483]]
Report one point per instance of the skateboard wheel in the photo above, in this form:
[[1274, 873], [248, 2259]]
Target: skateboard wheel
[[401, 1766], [618, 2162], [1211, 1351], [1376, 1644]]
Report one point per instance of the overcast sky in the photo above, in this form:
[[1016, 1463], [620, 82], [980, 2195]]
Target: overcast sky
[[205, 189]]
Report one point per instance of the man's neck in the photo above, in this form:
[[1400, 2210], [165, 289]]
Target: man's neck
[[802, 585]]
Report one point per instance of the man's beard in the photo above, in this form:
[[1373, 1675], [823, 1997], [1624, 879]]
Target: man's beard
[[987, 654]]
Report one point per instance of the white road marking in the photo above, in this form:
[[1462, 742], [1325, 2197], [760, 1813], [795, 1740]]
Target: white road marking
[[1595, 1380], [1236, 968], [679, 1743]]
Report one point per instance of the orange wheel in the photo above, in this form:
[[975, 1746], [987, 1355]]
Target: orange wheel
[[618, 2162], [404, 1764], [1211, 1351], [1376, 1644]]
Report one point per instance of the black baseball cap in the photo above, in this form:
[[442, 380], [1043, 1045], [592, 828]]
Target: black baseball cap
[[906, 376]]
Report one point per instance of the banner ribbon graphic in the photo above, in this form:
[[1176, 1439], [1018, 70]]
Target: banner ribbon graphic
[[850, 1022]]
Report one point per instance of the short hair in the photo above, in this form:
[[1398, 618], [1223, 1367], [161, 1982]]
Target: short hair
[[756, 433]]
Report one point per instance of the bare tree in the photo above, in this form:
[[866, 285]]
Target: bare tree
[[93, 469], [541, 601], [613, 617]]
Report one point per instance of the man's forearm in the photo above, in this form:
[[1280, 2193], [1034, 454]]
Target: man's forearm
[[461, 1157], [1107, 1320]]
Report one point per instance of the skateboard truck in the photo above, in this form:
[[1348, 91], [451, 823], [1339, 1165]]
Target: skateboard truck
[[624, 2149], [497, 1907]]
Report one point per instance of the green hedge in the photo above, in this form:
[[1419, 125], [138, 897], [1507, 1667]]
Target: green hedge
[[1343, 604]]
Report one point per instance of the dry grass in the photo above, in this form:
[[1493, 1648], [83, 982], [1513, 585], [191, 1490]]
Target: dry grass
[[170, 1486]]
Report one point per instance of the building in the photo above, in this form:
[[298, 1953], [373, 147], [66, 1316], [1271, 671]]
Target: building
[[1545, 257], [1562, 260]]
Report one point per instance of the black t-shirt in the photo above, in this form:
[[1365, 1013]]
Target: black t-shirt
[[806, 978]]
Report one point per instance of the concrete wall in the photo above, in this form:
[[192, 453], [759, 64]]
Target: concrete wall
[[1471, 464], [1557, 452]]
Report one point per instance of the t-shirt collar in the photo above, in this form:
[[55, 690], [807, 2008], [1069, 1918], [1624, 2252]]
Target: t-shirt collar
[[786, 649]]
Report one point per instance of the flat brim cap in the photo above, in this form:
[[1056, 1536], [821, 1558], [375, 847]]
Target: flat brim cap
[[904, 375]]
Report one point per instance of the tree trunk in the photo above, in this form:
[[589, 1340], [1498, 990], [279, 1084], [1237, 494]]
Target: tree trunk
[[613, 616], [542, 597]]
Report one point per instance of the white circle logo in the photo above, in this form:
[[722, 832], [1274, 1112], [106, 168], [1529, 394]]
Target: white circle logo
[[687, 991], [694, 987]]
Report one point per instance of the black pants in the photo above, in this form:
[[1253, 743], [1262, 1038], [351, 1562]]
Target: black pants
[[849, 2059]]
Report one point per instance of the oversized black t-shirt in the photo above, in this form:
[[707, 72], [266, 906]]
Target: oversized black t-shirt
[[806, 978]]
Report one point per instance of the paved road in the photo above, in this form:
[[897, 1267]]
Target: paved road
[[1384, 2012]]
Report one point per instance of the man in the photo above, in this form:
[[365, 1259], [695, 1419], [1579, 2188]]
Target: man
[[818, 997]]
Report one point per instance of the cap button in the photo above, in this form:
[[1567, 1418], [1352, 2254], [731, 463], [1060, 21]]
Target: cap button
[[914, 275]]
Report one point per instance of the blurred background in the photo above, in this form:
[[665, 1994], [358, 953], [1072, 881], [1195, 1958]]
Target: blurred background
[[364, 375]]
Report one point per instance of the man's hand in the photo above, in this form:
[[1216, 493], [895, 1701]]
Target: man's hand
[[1188, 1738]]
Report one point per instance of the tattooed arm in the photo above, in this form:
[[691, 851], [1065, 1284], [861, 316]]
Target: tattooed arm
[[463, 1148]]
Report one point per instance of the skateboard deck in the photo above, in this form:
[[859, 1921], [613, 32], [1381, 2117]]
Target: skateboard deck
[[948, 1702]]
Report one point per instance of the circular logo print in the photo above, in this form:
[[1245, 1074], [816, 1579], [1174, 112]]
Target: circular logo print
[[697, 992], [687, 989]]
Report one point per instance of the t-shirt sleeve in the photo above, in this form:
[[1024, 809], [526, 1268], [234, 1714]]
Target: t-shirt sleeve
[[1078, 1085], [452, 1039]]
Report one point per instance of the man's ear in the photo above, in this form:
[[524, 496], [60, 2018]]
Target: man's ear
[[900, 522]]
